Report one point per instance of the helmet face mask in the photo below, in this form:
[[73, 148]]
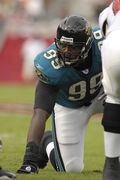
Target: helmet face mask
[[68, 52], [73, 40]]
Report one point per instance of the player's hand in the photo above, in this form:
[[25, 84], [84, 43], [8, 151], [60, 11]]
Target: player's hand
[[28, 168]]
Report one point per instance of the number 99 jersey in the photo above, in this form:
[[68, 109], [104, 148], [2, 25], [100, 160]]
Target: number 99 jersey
[[76, 88]]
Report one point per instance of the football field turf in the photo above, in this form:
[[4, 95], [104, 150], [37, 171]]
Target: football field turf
[[14, 126]]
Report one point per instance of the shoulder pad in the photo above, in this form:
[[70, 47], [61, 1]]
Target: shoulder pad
[[103, 18], [42, 63]]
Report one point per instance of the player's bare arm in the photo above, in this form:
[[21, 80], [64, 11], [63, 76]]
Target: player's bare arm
[[37, 125]]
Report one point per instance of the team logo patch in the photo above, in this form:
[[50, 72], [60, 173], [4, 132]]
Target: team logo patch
[[41, 75], [88, 29]]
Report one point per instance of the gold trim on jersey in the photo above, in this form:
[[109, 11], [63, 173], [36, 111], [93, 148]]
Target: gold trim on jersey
[[41, 75]]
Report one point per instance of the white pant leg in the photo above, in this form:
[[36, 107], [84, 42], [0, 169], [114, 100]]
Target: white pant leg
[[111, 67], [70, 130]]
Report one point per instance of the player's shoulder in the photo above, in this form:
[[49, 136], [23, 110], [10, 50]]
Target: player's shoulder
[[46, 66], [47, 54], [97, 34], [97, 39], [94, 29]]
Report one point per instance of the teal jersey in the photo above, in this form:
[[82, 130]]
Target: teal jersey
[[76, 88]]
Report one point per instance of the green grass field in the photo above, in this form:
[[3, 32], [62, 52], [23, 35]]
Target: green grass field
[[13, 132]]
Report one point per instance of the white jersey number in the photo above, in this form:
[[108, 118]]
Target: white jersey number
[[78, 91]]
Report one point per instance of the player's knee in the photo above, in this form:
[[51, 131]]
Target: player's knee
[[74, 165], [111, 120]]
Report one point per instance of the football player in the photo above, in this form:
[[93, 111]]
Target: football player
[[109, 21], [69, 88]]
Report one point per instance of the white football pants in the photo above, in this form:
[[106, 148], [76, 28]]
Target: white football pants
[[111, 67], [70, 126]]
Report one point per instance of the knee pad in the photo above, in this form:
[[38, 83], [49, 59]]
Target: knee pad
[[74, 165], [111, 118]]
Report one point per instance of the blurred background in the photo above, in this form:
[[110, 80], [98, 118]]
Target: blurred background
[[27, 27]]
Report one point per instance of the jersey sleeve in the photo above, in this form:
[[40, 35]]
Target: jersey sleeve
[[42, 77]]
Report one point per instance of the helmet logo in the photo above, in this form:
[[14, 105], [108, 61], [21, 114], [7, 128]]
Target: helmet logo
[[88, 29], [66, 40]]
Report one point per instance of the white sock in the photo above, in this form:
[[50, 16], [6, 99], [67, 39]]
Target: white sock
[[49, 148], [112, 144]]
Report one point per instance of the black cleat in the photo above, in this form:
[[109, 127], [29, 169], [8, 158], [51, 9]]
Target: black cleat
[[43, 158], [111, 169], [28, 168], [4, 174]]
